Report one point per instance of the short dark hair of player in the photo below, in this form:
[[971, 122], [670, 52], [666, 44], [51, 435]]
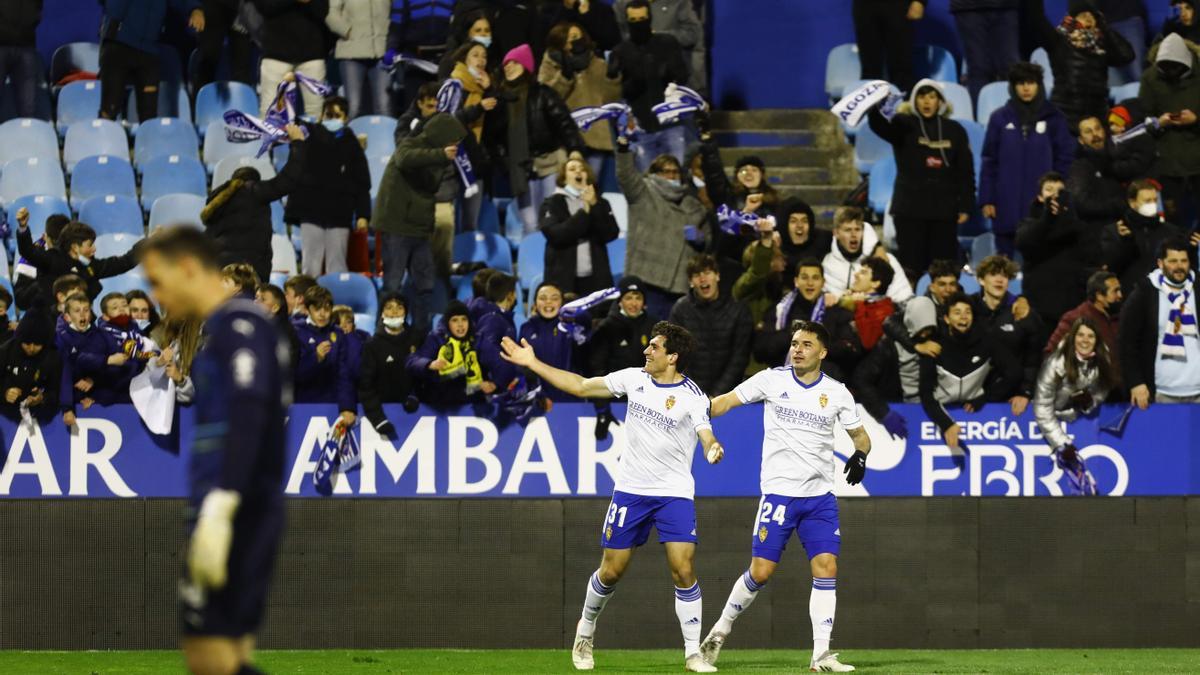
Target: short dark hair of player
[[809, 262], [427, 91], [958, 298], [318, 297], [109, 297], [78, 297], [67, 283], [181, 241], [479, 282], [881, 271], [341, 312], [1138, 185], [242, 275], [943, 268], [54, 226], [1097, 284], [676, 340], [500, 285], [701, 263], [813, 327], [74, 233], [299, 284], [997, 264], [335, 104], [1172, 244], [1051, 177]]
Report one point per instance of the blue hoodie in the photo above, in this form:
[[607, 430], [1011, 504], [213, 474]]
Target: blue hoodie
[[322, 381], [495, 324], [553, 347], [85, 355]]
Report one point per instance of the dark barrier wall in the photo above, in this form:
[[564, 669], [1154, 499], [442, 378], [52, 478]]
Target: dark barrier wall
[[915, 573]]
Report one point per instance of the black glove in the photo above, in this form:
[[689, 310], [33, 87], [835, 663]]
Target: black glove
[[411, 404], [604, 419], [856, 468], [703, 123], [1068, 453], [385, 429]]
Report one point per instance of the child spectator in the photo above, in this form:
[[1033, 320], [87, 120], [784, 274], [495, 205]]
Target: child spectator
[[95, 368], [496, 323], [64, 287], [353, 341], [446, 366], [74, 253], [550, 344], [6, 325], [25, 285], [272, 298], [142, 311], [383, 376], [241, 280], [319, 376], [479, 302], [117, 325], [30, 366], [294, 289]]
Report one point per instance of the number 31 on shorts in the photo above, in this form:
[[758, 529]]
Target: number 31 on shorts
[[770, 513], [616, 514]]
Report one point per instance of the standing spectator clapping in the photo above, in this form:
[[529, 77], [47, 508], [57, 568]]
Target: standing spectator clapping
[[578, 224]]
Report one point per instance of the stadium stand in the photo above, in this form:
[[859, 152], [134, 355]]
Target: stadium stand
[[102, 175], [175, 209], [172, 174], [112, 214]]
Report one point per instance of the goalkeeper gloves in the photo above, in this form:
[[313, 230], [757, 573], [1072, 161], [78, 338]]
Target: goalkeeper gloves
[[208, 552], [856, 468]]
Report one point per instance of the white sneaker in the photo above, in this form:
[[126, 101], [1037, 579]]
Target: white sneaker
[[710, 649], [696, 664], [581, 653], [828, 663]]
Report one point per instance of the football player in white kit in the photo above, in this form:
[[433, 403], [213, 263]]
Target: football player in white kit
[[801, 406], [654, 485]]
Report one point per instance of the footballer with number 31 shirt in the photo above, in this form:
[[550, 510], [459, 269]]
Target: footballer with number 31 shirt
[[801, 405]]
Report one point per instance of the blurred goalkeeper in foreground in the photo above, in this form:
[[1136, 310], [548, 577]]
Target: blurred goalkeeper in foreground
[[235, 513]]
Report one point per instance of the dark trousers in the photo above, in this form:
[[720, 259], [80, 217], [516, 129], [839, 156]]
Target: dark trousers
[[920, 241], [1181, 199], [990, 45], [120, 65], [21, 64], [413, 255], [218, 25], [884, 36]]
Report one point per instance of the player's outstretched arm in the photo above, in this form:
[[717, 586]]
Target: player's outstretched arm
[[572, 383], [724, 403], [713, 450], [856, 466]]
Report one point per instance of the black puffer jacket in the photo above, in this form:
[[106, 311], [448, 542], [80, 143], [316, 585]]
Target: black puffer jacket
[[332, 184], [1021, 341], [723, 330], [1059, 253], [1134, 256], [645, 71], [238, 218], [19, 20], [1080, 76], [972, 368], [547, 118], [619, 342]]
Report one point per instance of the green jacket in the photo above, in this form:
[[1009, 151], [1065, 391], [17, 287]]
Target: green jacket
[[751, 286], [1178, 147], [408, 190]]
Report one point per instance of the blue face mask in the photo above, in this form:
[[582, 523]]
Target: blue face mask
[[485, 40], [333, 125], [572, 190]]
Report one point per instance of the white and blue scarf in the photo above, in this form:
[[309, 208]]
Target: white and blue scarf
[[678, 102], [573, 319], [450, 100], [241, 127], [1181, 323], [618, 112]]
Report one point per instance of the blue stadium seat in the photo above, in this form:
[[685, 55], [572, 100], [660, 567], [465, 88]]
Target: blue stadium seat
[[278, 278], [354, 290], [923, 284], [1040, 57], [74, 56], [77, 102], [489, 217], [164, 136], [277, 224], [969, 284], [97, 137], [27, 138], [514, 227], [123, 283], [993, 95], [1014, 286], [934, 62], [616, 258], [170, 175], [174, 209], [40, 208], [376, 165], [975, 135], [101, 175], [464, 289], [483, 247], [226, 167], [110, 245], [842, 67], [215, 98], [283, 256], [1124, 92], [983, 246], [869, 148], [31, 176], [173, 101], [882, 183], [380, 131], [280, 154], [113, 214], [217, 147], [960, 101], [531, 258]]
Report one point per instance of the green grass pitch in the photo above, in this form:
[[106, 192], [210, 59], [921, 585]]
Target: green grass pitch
[[622, 661]]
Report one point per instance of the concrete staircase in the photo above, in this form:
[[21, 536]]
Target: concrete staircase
[[805, 152]]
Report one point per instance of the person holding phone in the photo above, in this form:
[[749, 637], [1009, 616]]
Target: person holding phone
[[578, 223]]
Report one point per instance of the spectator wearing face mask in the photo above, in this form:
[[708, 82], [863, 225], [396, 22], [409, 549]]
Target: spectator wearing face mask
[[1130, 246], [512, 23], [721, 324], [578, 224], [474, 27], [597, 18], [382, 375], [574, 70], [1025, 138], [551, 345], [681, 20], [1058, 250], [142, 311], [1102, 308], [1100, 171], [1170, 91], [96, 368], [74, 253], [935, 176], [853, 243]]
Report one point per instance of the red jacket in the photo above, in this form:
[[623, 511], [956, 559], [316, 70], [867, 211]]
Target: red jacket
[[1107, 325], [868, 319]]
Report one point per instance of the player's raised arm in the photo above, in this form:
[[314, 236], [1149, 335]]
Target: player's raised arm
[[572, 383], [724, 403]]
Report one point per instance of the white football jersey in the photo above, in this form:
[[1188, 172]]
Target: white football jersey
[[661, 426], [797, 453]]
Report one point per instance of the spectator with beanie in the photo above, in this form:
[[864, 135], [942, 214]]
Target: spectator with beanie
[[531, 133], [646, 63], [1102, 308], [988, 32], [129, 35], [446, 367], [722, 326], [883, 31], [30, 367], [620, 342], [361, 27], [382, 375], [1059, 251], [1081, 48], [1170, 92], [294, 39], [1159, 345], [238, 217], [1130, 247], [496, 323], [19, 20], [935, 176], [1100, 171], [574, 70], [1025, 138], [578, 224], [404, 208], [552, 346]]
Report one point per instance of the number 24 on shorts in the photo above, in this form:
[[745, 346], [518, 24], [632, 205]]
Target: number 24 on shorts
[[772, 513]]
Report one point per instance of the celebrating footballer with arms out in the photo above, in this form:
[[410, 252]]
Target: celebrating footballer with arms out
[[801, 405], [665, 415]]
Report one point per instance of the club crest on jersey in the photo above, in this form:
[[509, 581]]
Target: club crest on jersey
[[762, 534], [670, 402], [607, 533], [824, 400]]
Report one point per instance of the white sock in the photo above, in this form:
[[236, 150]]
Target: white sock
[[687, 608], [745, 589], [822, 605], [597, 597]]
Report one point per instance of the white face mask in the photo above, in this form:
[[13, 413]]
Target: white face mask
[[142, 324], [393, 322], [698, 182], [1149, 209], [485, 40], [572, 190], [84, 260], [475, 72]]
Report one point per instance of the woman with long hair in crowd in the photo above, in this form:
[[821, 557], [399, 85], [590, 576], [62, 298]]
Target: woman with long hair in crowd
[[578, 224]]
